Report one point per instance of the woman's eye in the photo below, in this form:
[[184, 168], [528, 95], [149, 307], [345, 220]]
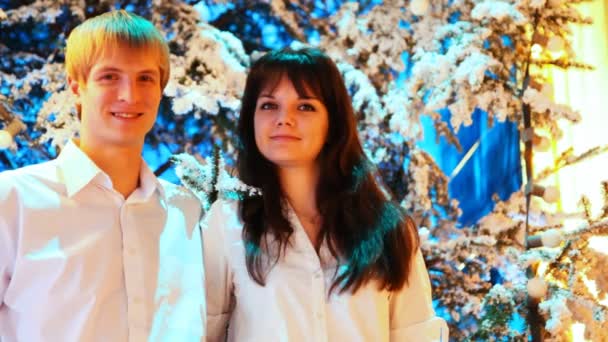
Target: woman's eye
[[306, 107], [268, 105]]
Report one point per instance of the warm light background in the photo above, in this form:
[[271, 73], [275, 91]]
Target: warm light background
[[586, 91]]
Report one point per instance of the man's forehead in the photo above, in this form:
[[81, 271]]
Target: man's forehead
[[125, 50], [132, 58]]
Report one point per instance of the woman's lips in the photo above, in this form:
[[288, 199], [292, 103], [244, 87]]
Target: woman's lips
[[284, 138]]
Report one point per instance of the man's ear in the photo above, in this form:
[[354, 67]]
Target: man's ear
[[74, 86]]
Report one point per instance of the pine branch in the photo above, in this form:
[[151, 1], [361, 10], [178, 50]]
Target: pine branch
[[567, 159], [442, 129], [586, 204], [596, 228], [563, 64], [5, 115], [604, 213]]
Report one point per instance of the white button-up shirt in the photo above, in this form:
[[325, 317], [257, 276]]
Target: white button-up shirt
[[78, 262], [294, 305]]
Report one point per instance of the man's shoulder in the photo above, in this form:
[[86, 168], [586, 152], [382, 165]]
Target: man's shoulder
[[179, 195], [31, 170], [27, 177], [175, 190]]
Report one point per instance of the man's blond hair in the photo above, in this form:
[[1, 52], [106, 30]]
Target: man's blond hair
[[92, 38]]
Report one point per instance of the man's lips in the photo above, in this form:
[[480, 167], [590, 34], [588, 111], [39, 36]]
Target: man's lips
[[126, 115]]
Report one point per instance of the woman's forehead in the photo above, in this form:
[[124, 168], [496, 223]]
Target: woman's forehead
[[272, 81]]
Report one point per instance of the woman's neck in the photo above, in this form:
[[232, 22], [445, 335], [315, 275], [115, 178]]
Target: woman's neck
[[299, 185]]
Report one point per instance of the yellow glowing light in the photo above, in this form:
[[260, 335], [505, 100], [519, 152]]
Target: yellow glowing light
[[591, 285], [541, 272], [584, 91], [555, 43], [557, 54], [599, 243], [536, 51], [542, 268], [578, 332]]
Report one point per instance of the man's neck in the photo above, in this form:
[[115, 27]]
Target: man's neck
[[121, 164]]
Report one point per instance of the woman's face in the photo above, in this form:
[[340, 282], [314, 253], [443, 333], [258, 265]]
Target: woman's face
[[290, 130]]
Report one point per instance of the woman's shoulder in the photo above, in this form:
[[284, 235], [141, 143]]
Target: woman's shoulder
[[223, 219], [224, 206], [221, 234]]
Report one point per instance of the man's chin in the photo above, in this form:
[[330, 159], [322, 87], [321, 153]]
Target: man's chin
[[122, 142]]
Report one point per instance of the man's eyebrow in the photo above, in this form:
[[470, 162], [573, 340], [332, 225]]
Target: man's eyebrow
[[114, 69], [107, 69], [149, 71]]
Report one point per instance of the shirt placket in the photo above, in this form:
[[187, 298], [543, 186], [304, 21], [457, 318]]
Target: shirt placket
[[133, 273], [319, 314], [317, 278]]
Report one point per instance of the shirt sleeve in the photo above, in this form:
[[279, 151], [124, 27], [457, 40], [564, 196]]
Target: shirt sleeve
[[5, 258], [8, 209], [218, 274], [412, 317]]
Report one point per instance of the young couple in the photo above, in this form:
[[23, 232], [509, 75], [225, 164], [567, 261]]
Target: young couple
[[93, 247]]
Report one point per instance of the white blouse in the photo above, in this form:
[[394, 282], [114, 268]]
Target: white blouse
[[295, 305]]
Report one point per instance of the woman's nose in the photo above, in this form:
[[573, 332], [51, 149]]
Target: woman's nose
[[284, 117]]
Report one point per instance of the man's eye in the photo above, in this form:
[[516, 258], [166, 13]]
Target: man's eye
[[147, 78], [109, 77]]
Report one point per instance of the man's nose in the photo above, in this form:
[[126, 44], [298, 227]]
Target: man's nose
[[128, 91]]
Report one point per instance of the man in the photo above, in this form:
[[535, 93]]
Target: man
[[93, 247]]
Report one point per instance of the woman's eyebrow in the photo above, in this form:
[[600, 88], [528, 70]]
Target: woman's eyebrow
[[300, 97], [309, 97]]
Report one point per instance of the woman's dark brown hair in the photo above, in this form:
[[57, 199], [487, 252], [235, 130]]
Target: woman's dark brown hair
[[362, 226]]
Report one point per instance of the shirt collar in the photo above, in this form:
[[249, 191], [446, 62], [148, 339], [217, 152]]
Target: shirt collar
[[148, 182], [300, 242], [79, 170]]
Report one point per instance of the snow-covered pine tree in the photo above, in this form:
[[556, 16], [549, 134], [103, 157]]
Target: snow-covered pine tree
[[403, 62]]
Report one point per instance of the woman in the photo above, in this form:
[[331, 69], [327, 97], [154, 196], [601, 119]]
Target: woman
[[322, 254]]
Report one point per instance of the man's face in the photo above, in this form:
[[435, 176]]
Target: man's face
[[120, 99]]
